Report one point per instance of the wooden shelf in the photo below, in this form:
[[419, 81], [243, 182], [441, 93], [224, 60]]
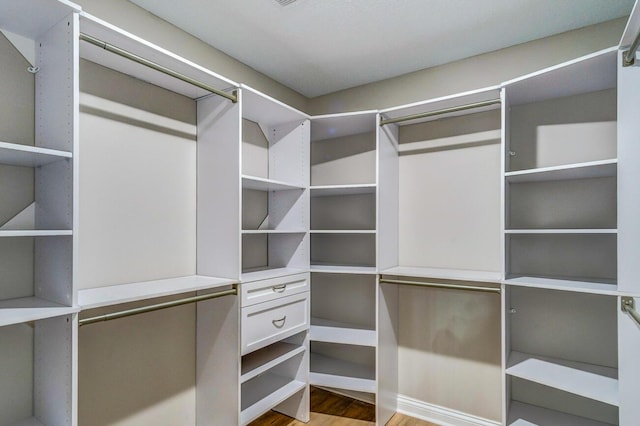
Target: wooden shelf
[[263, 184], [265, 274], [123, 293], [273, 231], [264, 359], [521, 414], [338, 269], [444, 274], [590, 381], [113, 35], [565, 285], [35, 233], [335, 373], [264, 392], [28, 422], [323, 330], [29, 156], [588, 170], [561, 231], [339, 190], [25, 309]]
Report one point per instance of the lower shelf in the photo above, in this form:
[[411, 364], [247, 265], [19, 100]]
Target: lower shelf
[[265, 392], [336, 373], [590, 381], [259, 361], [521, 414]]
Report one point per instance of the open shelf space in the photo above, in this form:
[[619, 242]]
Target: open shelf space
[[264, 392], [332, 126], [343, 248], [262, 360], [29, 156], [336, 373], [340, 190], [442, 273], [106, 32], [123, 293], [605, 288], [521, 414], [275, 252], [263, 184], [591, 381], [588, 170], [324, 330], [337, 269], [25, 309]]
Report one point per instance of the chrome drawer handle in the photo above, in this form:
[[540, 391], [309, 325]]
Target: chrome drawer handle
[[279, 323], [279, 288]]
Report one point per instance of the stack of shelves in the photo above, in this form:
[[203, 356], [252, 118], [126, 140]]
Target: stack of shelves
[[343, 252], [560, 240], [275, 178], [37, 165]]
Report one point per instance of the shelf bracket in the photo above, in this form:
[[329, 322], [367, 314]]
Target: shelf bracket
[[627, 305]]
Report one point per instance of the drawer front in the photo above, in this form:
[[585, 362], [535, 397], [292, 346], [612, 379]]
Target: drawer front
[[266, 290], [269, 322]]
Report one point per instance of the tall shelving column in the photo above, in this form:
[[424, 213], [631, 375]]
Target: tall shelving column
[[38, 160], [274, 214], [560, 244]]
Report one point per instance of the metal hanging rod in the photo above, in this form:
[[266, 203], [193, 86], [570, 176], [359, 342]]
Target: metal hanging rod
[[629, 56], [440, 111], [147, 63], [484, 289], [157, 307], [628, 306]]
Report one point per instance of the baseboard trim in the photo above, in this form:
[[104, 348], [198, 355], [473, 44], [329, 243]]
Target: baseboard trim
[[439, 415]]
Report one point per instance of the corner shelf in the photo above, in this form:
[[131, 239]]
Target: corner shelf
[[123, 293], [335, 373], [25, 309], [587, 170], [521, 414], [29, 156], [587, 380], [323, 330], [263, 184]]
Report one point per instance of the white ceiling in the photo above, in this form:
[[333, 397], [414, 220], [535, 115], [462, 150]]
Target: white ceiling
[[321, 46]]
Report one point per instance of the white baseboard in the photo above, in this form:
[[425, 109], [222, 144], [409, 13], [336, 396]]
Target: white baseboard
[[439, 415]]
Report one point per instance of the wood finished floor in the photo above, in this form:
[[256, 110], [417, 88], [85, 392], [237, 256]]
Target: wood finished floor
[[329, 409]]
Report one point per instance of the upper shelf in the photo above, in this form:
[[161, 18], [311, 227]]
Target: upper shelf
[[265, 110], [115, 36], [25, 309], [466, 98], [123, 293], [29, 156], [339, 125], [262, 184], [589, 73], [591, 169], [444, 274], [333, 190], [19, 17]]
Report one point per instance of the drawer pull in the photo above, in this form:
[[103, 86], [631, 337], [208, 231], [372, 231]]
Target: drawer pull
[[279, 323], [279, 288]]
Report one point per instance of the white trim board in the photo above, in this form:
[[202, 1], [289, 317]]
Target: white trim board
[[440, 415]]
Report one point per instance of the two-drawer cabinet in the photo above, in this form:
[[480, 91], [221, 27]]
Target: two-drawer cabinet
[[275, 319]]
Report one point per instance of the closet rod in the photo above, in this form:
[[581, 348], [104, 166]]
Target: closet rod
[[629, 56], [150, 64], [628, 306], [440, 111], [484, 289], [157, 307]]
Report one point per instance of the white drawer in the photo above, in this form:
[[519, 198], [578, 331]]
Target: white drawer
[[268, 322], [275, 288]]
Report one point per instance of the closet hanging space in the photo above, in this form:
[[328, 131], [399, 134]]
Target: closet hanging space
[[38, 165]]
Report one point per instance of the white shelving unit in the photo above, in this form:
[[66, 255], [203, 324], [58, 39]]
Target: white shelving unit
[[346, 375], [37, 220]]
